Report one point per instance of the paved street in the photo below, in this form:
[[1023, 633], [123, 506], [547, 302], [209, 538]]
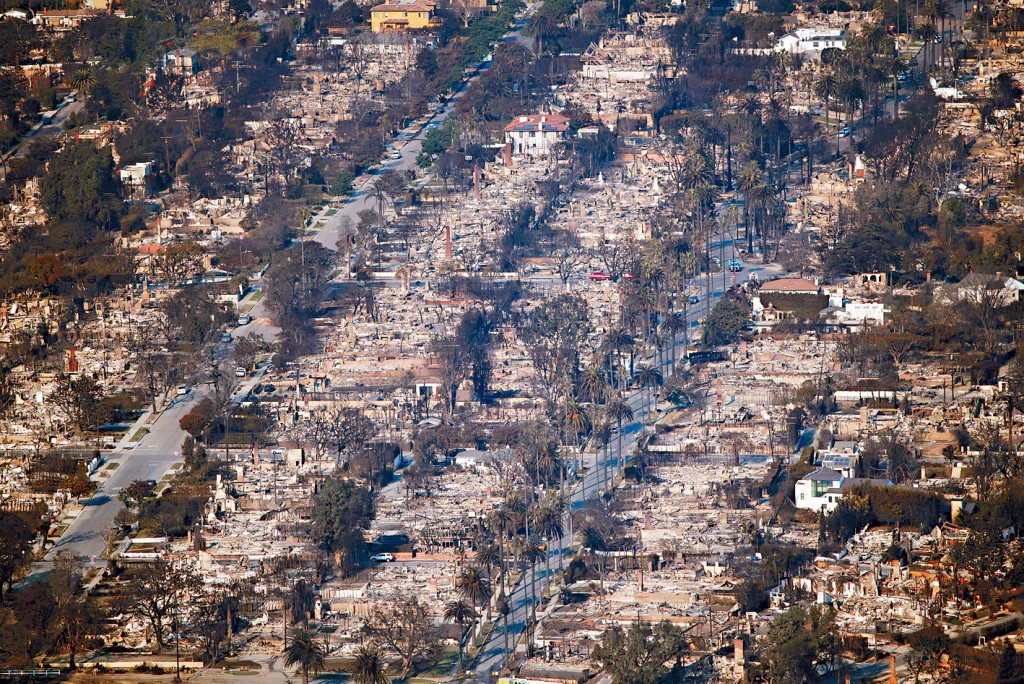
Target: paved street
[[54, 127], [491, 658], [157, 451], [149, 459]]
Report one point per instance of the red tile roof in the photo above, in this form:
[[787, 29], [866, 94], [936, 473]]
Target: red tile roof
[[539, 122], [795, 285]]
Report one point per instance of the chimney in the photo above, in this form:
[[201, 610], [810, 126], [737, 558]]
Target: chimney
[[507, 154], [892, 670], [737, 650], [640, 580]]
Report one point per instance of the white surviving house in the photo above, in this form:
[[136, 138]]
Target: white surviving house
[[842, 311], [811, 41], [824, 488], [977, 287], [536, 134]]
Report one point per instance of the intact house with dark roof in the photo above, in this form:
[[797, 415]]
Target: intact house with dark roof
[[824, 488]]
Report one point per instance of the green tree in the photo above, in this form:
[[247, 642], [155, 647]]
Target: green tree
[[306, 651], [798, 642], [15, 543], [342, 509], [136, 493], [727, 319], [369, 666], [80, 186], [474, 585], [459, 612], [638, 655]]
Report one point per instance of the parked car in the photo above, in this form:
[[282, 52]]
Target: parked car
[[244, 319], [182, 390], [735, 265], [599, 275], [382, 558], [226, 337], [240, 372], [694, 299], [396, 155]]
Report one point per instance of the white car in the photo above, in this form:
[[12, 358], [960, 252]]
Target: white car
[[396, 155], [382, 558], [182, 390]]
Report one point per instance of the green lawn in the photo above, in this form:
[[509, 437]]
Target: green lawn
[[440, 670], [139, 434]]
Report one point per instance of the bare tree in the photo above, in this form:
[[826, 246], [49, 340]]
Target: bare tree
[[569, 257], [405, 626], [155, 594]]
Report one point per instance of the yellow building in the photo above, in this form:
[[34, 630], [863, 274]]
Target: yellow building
[[402, 16]]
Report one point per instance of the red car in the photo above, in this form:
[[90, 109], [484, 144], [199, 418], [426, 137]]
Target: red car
[[599, 275]]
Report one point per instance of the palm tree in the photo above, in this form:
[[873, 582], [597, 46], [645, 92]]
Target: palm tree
[[750, 177], [593, 385], [306, 651], [602, 433], [474, 586], [648, 377], [533, 554], [548, 461], [547, 521], [893, 67], [928, 33], [674, 323], [488, 555], [827, 88], [459, 612], [619, 340], [540, 27], [939, 10], [619, 410], [369, 666], [851, 91], [506, 518], [82, 79], [575, 422]]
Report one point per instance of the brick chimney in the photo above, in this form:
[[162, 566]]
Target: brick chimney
[[892, 670]]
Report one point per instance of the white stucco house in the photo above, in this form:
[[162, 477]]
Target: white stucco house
[[809, 42], [824, 488], [536, 134]]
